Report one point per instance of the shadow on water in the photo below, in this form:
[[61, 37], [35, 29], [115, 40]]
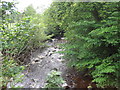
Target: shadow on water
[[78, 79], [81, 80]]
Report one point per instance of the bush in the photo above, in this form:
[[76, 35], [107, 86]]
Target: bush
[[17, 38], [54, 80], [94, 43], [10, 71]]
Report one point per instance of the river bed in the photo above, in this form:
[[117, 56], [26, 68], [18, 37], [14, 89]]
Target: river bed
[[43, 61]]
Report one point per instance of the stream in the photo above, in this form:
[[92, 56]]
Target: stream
[[43, 61]]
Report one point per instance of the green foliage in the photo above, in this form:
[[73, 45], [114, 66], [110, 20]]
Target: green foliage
[[39, 31], [54, 80], [15, 39], [38, 27], [30, 11], [10, 71], [95, 45], [91, 30], [93, 38], [18, 37], [24, 35], [52, 19]]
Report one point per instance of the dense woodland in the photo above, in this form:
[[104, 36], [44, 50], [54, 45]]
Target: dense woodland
[[92, 31]]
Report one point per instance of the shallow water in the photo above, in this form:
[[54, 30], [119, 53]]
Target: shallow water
[[42, 62], [76, 79]]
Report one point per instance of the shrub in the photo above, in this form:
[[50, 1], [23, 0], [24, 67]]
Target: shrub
[[10, 71], [93, 43], [54, 80], [17, 38]]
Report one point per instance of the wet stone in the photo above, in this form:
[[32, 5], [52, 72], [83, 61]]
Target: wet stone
[[33, 80], [60, 58], [50, 54], [41, 57], [54, 50], [33, 62], [37, 60], [52, 58]]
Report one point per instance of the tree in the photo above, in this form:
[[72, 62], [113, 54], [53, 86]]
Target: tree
[[93, 37], [30, 11]]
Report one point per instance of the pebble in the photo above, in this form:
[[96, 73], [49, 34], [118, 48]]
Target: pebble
[[33, 80], [37, 86], [54, 50], [41, 57], [33, 62], [50, 54], [37, 60], [65, 84], [60, 58]]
